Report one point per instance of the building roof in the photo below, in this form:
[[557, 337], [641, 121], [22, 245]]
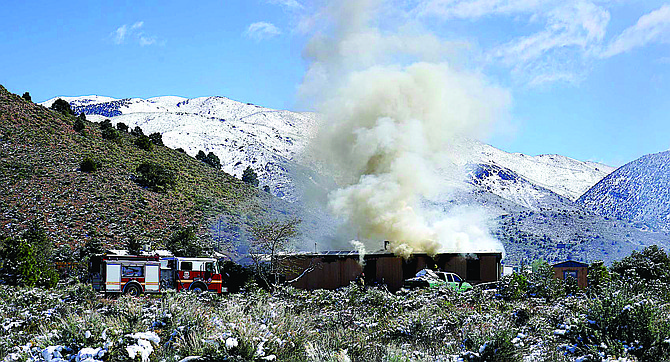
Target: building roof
[[571, 264]]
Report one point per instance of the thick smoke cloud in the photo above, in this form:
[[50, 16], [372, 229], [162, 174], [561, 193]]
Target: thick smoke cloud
[[392, 107]]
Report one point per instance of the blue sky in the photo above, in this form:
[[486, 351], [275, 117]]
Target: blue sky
[[589, 79]]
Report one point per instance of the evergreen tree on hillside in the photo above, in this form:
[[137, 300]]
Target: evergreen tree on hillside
[[185, 243], [27, 97], [249, 176], [156, 138], [144, 143], [62, 106], [106, 124], [122, 127], [212, 160], [155, 176], [200, 156], [137, 131], [79, 124], [110, 133], [133, 245]]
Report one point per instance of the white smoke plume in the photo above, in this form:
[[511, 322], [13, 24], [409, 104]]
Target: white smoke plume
[[360, 247], [392, 106]]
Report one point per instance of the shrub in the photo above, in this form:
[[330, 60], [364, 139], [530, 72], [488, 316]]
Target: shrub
[[143, 142], [212, 160], [155, 177], [27, 97], [27, 261], [137, 131], [79, 125], [106, 124], [110, 133], [500, 348], [133, 245], [89, 165], [184, 242], [249, 176], [122, 127], [62, 106], [200, 156], [180, 150], [513, 287], [650, 264], [156, 138]]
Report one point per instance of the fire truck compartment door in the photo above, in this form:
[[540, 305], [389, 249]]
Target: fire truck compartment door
[[113, 277], [152, 278]]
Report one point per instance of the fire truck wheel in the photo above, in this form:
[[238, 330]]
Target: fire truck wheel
[[198, 287], [133, 290]]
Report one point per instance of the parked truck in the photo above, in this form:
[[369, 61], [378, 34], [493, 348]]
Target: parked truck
[[136, 275]]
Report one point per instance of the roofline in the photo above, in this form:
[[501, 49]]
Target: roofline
[[345, 253]]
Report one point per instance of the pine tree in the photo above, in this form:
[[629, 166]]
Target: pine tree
[[62, 106], [185, 243], [212, 160], [249, 176], [27, 97], [156, 138], [133, 246], [79, 124], [137, 131]]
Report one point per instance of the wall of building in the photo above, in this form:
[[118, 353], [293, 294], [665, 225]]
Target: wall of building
[[582, 279], [332, 272]]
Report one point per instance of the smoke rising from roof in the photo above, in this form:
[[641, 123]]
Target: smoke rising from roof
[[392, 106]]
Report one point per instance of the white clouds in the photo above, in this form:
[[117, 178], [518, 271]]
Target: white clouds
[[572, 34], [289, 4], [470, 9], [651, 27], [134, 33], [562, 50], [262, 30]]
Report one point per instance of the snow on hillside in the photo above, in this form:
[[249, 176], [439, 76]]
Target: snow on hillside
[[637, 191], [511, 186], [240, 134], [565, 176], [272, 142]]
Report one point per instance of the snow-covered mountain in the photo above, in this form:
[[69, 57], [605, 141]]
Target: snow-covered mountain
[[562, 175], [636, 191], [272, 142], [240, 134]]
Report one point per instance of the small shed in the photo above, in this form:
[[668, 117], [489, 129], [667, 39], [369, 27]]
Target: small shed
[[572, 269]]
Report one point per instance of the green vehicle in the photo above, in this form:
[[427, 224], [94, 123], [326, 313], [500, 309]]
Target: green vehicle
[[427, 278]]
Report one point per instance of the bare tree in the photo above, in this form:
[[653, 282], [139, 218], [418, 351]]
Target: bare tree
[[269, 243]]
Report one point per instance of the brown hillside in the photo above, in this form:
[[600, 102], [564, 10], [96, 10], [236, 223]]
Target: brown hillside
[[40, 153]]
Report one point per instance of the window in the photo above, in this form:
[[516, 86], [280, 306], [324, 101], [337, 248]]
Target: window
[[209, 267], [186, 265], [450, 278], [570, 274], [457, 279], [132, 271]]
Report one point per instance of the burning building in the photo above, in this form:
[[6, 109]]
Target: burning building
[[334, 269]]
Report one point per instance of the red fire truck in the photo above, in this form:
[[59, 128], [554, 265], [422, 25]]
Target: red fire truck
[[196, 274], [134, 275]]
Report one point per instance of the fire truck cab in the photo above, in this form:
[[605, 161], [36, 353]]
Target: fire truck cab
[[126, 274], [196, 274]]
